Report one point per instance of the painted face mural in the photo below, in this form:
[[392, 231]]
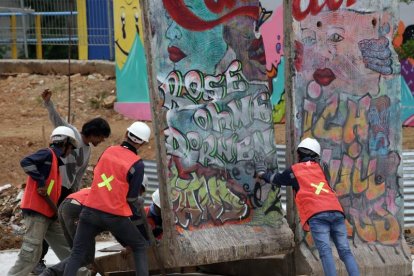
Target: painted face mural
[[127, 23], [186, 46], [345, 97], [349, 51], [247, 44]]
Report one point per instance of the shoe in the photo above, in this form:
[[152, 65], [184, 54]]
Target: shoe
[[39, 268]]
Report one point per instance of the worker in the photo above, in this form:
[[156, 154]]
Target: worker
[[42, 191], [154, 218], [93, 133], [319, 209], [114, 193], [69, 212]]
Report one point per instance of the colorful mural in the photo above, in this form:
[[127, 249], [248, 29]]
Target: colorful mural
[[133, 101], [131, 71], [404, 44], [215, 98], [272, 33], [346, 94]]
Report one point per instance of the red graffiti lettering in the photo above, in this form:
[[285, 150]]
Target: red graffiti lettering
[[314, 7], [184, 17]]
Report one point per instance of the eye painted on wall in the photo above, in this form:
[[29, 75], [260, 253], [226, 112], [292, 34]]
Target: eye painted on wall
[[136, 18], [335, 37], [319, 24], [123, 24]]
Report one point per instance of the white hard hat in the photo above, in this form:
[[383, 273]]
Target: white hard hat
[[140, 130], [310, 144], [145, 182], [156, 198], [62, 133]]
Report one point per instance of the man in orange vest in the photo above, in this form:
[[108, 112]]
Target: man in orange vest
[[318, 207], [114, 193], [43, 188], [69, 212]]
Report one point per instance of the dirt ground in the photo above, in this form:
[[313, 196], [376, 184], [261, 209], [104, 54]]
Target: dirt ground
[[25, 126]]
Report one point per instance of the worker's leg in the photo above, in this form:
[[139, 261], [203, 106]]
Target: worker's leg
[[88, 228], [129, 235], [31, 250], [57, 241], [68, 217]]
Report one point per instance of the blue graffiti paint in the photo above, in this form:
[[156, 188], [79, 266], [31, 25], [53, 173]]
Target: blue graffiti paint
[[132, 83]]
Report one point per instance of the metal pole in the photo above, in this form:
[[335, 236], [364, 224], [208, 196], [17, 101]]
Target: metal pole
[[26, 51], [110, 36], [13, 36], [69, 55]]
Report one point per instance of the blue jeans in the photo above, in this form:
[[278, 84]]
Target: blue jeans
[[328, 225]]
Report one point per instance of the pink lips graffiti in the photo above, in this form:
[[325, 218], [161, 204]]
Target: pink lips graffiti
[[175, 54], [324, 76]]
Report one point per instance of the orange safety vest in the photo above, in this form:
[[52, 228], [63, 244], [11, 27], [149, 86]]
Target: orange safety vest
[[80, 196], [314, 195], [33, 201], [109, 188]]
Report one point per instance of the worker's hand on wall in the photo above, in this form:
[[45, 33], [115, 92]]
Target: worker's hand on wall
[[260, 168]]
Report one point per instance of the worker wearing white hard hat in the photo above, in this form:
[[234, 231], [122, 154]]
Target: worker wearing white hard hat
[[319, 209], [69, 211], [114, 196], [40, 199], [154, 217]]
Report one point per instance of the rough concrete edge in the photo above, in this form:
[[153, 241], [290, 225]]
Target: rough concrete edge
[[58, 67]]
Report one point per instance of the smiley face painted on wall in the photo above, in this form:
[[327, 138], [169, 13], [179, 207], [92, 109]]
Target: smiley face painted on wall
[[127, 25]]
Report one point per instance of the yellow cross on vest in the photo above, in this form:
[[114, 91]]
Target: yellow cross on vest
[[319, 188], [106, 182]]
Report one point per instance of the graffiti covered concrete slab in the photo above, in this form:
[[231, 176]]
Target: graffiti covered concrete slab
[[215, 122], [347, 95]]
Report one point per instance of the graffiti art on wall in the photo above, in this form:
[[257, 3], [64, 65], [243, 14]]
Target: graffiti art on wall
[[347, 96], [404, 44], [215, 96], [131, 72], [272, 32]]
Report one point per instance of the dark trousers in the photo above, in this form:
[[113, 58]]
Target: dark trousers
[[69, 212], [91, 223]]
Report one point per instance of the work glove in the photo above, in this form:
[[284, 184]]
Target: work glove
[[260, 166], [268, 177]]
